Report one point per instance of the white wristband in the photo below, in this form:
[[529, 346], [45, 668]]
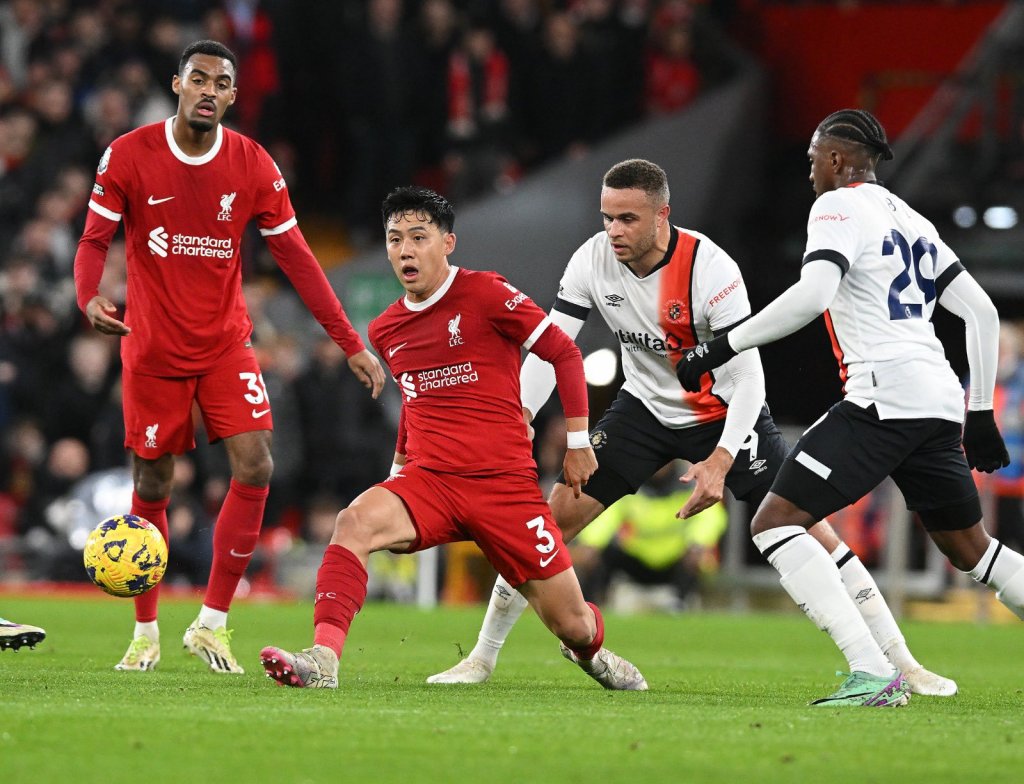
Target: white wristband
[[577, 439], [395, 468]]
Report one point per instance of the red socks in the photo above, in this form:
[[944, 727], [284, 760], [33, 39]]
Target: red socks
[[234, 541], [587, 652], [340, 593], [156, 513]]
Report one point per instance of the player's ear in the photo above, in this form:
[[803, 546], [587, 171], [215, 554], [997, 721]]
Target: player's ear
[[664, 212], [176, 84], [234, 94], [449, 243]]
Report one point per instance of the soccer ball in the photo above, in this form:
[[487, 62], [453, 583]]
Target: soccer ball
[[125, 555]]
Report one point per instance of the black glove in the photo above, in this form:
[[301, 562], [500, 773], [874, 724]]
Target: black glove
[[702, 358], [983, 445]]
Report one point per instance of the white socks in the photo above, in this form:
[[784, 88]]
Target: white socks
[[212, 619], [503, 610], [149, 629], [1003, 569], [812, 580], [863, 590]]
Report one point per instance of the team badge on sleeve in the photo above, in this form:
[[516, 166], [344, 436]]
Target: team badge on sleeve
[[104, 161]]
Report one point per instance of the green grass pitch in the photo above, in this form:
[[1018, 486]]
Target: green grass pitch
[[727, 704]]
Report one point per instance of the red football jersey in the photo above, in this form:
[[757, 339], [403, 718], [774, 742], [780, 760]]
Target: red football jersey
[[183, 220], [456, 360]]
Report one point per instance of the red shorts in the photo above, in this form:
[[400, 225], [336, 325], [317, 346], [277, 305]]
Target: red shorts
[[506, 516], [158, 411]]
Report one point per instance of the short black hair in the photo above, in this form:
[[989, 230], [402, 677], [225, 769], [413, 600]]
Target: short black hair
[[859, 127], [420, 201], [213, 48], [640, 174]]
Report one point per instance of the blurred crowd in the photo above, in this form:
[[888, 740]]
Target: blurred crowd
[[466, 95], [462, 96]]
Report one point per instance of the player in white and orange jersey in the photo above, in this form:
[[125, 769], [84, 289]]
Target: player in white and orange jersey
[[663, 289], [186, 188]]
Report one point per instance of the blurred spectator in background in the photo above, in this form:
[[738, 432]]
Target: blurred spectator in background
[[61, 138], [282, 363], [81, 391], [66, 462], [21, 21], [190, 527], [560, 93], [439, 32], [479, 157], [246, 28], [639, 538], [164, 40], [348, 444], [22, 455], [671, 79], [148, 101], [380, 104], [615, 47]]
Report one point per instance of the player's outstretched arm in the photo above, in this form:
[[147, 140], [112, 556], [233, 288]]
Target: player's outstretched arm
[[983, 444], [368, 370], [794, 308]]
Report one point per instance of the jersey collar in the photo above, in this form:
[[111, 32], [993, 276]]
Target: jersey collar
[[673, 240], [190, 160], [436, 295]]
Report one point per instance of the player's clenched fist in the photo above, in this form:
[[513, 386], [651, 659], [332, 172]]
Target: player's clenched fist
[[701, 359]]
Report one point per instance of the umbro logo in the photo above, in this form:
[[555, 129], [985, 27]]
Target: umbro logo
[[863, 595], [154, 202], [614, 300]]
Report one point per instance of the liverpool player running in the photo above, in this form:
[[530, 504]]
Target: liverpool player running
[[186, 189], [464, 468], [877, 269], [659, 288]]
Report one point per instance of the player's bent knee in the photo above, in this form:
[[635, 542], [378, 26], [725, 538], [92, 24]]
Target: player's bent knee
[[255, 472]]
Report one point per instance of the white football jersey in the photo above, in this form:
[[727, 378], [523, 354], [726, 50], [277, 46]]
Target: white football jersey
[[695, 291], [895, 268]]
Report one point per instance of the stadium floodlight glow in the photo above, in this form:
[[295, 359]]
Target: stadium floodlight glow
[[600, 367], [965, 216], [1000, 217]]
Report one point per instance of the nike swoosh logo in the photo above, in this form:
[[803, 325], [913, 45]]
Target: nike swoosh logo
[[393, 351], [257, 414], [545, 561], [240, 555], [153, 201]]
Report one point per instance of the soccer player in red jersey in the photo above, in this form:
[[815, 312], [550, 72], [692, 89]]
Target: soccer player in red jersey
[[463, 463], [186, 189]]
